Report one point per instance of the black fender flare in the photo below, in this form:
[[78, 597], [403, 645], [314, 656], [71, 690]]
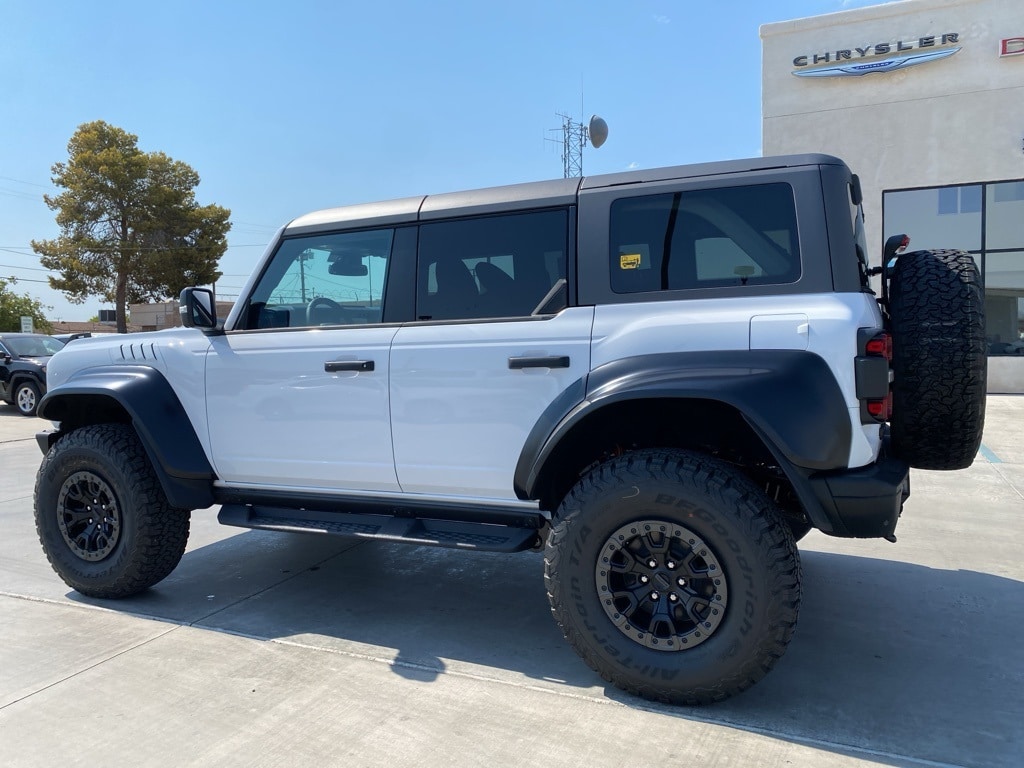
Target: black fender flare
[[790, 398], [156, 414]]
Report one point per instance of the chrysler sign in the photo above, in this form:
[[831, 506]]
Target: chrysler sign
[[877, 57]]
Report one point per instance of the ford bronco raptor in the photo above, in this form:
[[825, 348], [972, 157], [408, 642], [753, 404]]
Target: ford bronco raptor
[[662, 379]]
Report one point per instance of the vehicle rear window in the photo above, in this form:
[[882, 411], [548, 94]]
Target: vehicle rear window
[[732, 236]]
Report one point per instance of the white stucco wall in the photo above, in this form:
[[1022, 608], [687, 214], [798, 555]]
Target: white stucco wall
[[956, 120], [951, 121]]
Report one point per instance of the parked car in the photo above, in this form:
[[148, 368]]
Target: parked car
[[661, 378], [23, 359]]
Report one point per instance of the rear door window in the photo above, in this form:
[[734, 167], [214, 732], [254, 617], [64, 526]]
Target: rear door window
[[510, 265]]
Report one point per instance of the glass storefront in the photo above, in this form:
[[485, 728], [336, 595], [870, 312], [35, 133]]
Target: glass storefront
[[987, 220]]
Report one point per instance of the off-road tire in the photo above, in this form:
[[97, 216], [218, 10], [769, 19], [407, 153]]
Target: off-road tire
[[736, 527], [124, 540], [937, 310], [26, 398]]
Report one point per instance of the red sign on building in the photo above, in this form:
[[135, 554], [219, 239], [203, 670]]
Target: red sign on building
[[1011, 46]]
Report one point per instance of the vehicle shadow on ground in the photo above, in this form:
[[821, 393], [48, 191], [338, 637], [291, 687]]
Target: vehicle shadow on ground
[[899, 659]]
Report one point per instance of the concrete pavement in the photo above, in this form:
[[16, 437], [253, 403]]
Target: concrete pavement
[[273, 649]]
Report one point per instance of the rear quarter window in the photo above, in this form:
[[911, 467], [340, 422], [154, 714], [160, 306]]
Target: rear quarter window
[[734, 236]]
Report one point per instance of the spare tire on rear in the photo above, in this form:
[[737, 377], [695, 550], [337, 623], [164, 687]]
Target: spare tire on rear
[[937, 311]]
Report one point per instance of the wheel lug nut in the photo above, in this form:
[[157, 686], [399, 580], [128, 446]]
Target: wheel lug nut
[[670, 565], [681, 582], [652, 563], [655, 595], [644, 579], [673, 597]]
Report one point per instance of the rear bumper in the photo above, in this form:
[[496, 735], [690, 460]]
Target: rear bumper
[[864, 502]]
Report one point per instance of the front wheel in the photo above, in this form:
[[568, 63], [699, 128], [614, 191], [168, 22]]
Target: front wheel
[[102, 517], [673, 576]]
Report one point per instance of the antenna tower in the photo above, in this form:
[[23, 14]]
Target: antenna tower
[[574, 139], [575, 136]]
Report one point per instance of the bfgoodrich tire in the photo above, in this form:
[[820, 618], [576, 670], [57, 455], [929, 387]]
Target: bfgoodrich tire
[[102, 517], [673, 576], [939, 363]]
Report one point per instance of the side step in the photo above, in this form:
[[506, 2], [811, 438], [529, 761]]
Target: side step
[[455, 534]]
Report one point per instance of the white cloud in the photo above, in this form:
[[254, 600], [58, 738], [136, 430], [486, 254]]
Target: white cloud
[[662, 19], [632, 165]]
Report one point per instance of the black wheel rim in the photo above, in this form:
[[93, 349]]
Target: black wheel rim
[[661, 585], [88, 516]]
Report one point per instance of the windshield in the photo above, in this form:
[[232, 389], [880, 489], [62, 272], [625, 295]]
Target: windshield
[[34, 346]]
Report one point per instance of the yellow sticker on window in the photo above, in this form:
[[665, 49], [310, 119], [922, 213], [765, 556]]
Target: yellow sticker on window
[[629, 261]]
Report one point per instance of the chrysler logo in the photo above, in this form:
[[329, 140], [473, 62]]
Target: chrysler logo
[[885, 65], [857, 61]]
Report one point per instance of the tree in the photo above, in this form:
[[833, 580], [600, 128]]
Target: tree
[[13, 307], [130, 227]]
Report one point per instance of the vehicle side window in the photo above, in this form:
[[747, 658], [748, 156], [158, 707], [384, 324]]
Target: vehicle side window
[[731, 236], [510, 265], [332, 279]]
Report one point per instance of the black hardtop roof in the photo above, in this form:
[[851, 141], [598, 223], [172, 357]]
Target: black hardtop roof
[[534, 194]]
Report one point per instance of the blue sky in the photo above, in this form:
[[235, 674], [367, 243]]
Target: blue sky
[[283, 108]]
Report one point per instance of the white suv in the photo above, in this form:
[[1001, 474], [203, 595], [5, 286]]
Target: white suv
[[661, 378]]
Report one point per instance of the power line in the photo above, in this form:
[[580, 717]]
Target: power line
[[20, 249], [30, 183], [34, 269], [21, 195]]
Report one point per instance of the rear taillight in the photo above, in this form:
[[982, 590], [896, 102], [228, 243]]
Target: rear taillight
[[876, 395], [880, 346], [881, 409]]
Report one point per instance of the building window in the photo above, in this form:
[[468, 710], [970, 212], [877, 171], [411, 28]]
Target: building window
[[983, 219], [935, 218]]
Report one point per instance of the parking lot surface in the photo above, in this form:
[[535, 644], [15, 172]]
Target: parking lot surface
[[267, 649]]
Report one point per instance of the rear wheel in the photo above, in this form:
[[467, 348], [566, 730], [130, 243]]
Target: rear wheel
[[939, 361], [102, 517], [673, 576]]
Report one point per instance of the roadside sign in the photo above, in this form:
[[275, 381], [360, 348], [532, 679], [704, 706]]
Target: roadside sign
[[26, 324]]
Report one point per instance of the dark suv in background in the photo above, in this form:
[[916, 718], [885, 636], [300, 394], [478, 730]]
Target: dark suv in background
[[23, 358]]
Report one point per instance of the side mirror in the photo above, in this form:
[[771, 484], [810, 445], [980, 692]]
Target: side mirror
[[198, 309]]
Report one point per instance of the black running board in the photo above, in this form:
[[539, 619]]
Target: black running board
[[454, 534]]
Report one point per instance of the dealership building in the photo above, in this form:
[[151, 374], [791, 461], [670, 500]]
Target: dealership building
[[924, 99]]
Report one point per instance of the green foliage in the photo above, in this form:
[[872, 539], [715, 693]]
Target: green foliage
[[13, 307], [131, 229]]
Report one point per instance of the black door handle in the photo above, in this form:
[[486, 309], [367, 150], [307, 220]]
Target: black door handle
[[333, 366], [555, 361]]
